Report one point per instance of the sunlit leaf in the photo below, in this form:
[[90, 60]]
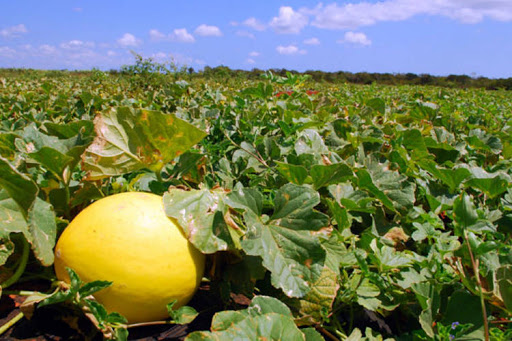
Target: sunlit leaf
[[200, 213], [286, 243], [129, 139], [266, 318]]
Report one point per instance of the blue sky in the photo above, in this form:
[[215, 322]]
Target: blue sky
[[439, 37]]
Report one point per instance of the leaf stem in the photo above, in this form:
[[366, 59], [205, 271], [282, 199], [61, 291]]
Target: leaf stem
[[327, 333], [479, 282], [11, 323], [152, 323], [20, 292], [158, 174], [502, 321], [21, 266], [67, 211], [259, 158]]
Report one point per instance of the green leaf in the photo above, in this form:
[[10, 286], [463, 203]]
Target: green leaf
[[356, 335], [310, 142], [6, 247], [293, 173], [188, 167], [34, 139], [52, 159], [43, 229], [28, 214], [430, 299], [311, 309], [261, 305], [71, 129], [504, 284], [19, 186], [130, 139], [340, 214], [330, 174], [57, 297], [92, 287], [116, 318], [370, 303], [286, 243], [121, 334], [388, 258], [294, 208], [393, 189], [182, 315], [366, 182], [266, 318], [11, 217], [481, 140], [472, 313], [450, 177], [464, 211], [243, 276], [492, 187], [337, 253], [367, 289], [98, 310], [86, 97], [377, 104], [311, 334], [200, 213], [75, 281], [413, 141], [352, 199], [51, 152], [7, 146]]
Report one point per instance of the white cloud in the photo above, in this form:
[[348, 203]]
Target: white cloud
[[250, 61], [254, 54], [156, 35], [208, 31], [129, 40], [255, 24], [13, 31], [312, 41], [357, 38], [245, 34], [289, 21], [160, 57], [353, 15], [77, 44], [7, 52], [179, 35], [289, 50], [48, 49], [69, 55]]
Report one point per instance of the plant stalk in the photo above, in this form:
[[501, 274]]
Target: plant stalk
[[21, 266], [479, 282], [11, 323], [20, 292]]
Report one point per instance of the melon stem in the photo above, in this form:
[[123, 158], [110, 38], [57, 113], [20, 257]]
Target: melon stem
[[21, 266]]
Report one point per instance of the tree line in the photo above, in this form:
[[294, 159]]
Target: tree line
[[452, 81], [150, 70]]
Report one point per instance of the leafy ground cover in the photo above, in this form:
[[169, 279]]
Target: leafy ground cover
[[327, 212]]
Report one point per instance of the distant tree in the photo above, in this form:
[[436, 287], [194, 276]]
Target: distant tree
[[426, 79]]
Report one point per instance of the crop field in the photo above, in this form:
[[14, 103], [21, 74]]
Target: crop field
[[321, 211]]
